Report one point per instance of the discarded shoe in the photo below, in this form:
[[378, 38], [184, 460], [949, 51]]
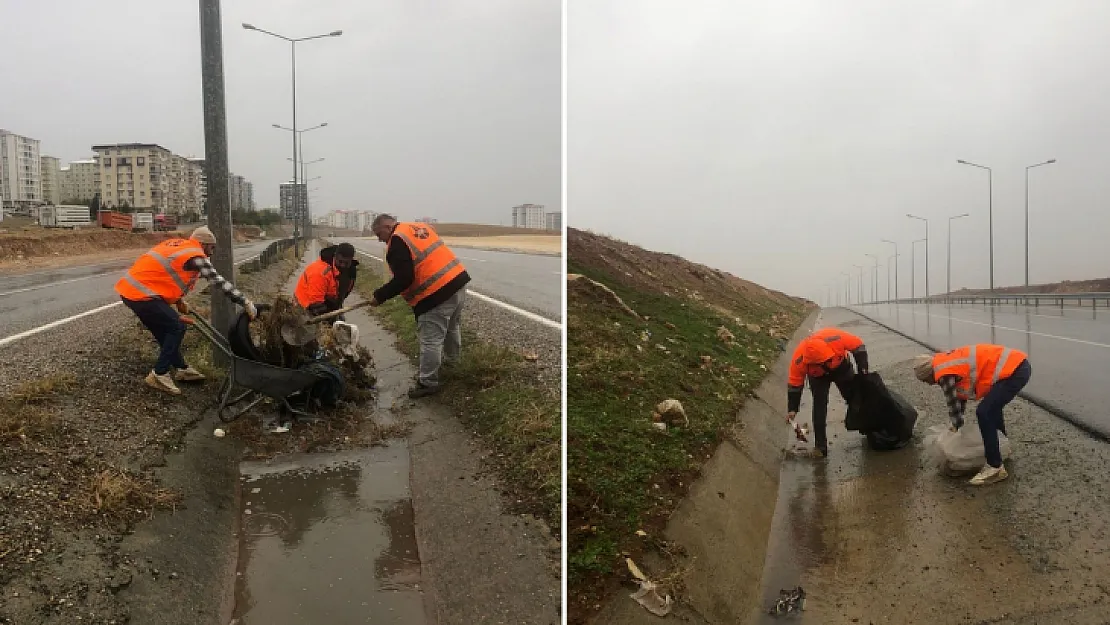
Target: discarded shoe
[[189, 374], [162, 383], [989, 475]]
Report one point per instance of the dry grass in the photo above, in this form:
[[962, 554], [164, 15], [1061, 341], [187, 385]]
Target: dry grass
[[26, 411], [120, 495]]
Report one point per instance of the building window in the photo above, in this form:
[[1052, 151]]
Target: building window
[[140, 161]]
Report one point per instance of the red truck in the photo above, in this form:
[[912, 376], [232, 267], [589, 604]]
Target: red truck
[[130, 222], [165, 222]]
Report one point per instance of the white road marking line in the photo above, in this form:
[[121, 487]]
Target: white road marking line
[[998, 327], [477, 260], [496, 302], [8, 340]]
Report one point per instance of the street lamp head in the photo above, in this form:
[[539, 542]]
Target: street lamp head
[[276, 126], [961, 161], [323, 124], [1051, 160], [247, 26], [335, 33]]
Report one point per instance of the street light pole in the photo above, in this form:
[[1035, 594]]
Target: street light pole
[[293, 50], [889, 262], [299, 212], [847, 288], [913, 267], [896, 291], [926, 251], [874, 279], [860, 267], [1048, 162], [948, 263], [990, 210]]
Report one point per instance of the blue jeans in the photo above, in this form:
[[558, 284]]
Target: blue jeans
[[989, 411], [166, 326]]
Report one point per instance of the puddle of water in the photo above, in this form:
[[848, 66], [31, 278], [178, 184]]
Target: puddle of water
[[329, 539]]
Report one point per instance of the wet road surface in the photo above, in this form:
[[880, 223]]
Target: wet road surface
[[883, 537], [31, 300], [1069, 348], [528, 281]]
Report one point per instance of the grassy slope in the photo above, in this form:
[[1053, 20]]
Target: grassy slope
[[624, 475], [495, 393]]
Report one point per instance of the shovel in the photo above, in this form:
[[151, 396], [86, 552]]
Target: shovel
[[297, 333]]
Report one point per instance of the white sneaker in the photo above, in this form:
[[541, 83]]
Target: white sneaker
[[163, 383], [189, 374], [989, 475]]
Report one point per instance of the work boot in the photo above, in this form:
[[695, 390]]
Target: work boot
[[162, 382], [189, 374], [422, 391], [989, 475]]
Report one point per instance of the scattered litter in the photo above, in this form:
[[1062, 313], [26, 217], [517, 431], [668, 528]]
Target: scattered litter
[[648, 594], [218, 433], [790, 601], [724, 335], [641, 533], [961, 451], [659, 425], [670, 412]]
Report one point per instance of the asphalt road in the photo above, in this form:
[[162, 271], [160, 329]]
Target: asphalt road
[[31, 300], [528, 281], [1069, 349]]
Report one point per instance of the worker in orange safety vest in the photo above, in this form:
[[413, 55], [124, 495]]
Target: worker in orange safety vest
[[327, 281], [163, 277], [991, 374], [822, 357], [433, 282]]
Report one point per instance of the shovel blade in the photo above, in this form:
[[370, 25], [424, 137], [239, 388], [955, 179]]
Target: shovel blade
[[297, 335]]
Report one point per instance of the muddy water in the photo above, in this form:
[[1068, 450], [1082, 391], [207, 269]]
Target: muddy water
[[331, 538]]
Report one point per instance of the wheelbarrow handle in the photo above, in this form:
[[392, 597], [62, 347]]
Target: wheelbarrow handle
[[336, 313]]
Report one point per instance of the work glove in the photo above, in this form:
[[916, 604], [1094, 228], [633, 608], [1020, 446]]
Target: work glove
[[252, 312], [182, 307], [790, 416]]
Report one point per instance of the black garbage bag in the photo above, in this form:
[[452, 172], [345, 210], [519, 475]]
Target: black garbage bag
[[332, 385], [884, 416]]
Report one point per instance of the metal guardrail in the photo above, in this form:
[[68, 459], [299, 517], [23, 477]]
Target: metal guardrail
[[268, 256], [1035, 300]]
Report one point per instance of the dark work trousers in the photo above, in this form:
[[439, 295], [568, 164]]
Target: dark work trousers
[[819, 387], [166, 326], [989, 411]]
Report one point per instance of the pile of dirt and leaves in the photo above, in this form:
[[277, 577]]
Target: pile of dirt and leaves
[[506, 398], [78, 453], [661, 354], [39, 242]]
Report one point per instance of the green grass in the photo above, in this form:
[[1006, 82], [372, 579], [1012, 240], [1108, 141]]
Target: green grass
[[625, 475], [496, 392]]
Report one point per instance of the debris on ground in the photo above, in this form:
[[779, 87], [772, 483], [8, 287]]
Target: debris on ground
[[648, 594], [724, 335], [600, 290], [271, 346], [671, 413], [790, 601]]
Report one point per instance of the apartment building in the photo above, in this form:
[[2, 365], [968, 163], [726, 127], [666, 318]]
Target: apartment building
[[20, 173], [50, 169], [555, 221], [529, 216], [80, 181], [148, 177]]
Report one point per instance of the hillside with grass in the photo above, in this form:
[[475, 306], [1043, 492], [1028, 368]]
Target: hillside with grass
[[644, 327]]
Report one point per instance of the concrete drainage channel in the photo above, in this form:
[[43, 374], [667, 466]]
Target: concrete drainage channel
[[330, 537]]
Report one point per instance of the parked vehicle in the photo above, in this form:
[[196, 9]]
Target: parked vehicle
[[131, 222], [165, 222], [64, 216]]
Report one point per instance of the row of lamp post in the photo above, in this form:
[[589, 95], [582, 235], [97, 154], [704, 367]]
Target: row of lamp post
[[913, 265], [301, 222]]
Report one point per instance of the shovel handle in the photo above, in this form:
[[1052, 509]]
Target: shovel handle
[[336, 313]]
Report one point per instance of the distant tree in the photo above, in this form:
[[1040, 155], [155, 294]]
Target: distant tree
[[94, 207]]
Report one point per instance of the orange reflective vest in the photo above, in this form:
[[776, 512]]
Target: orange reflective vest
[[977, 367], [161, 273], [434, 264], [318, 282], [826, 347]]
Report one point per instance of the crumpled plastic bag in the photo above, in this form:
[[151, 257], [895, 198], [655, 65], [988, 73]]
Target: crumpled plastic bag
[[961, 451], [648, 595]]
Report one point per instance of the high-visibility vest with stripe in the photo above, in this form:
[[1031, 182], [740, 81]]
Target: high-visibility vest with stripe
[[434, 264], [977, 367], [318, 281], [161, 273], [820, 352]]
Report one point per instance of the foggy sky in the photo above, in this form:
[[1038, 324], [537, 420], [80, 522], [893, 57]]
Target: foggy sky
[[781, 140], [444, 109]]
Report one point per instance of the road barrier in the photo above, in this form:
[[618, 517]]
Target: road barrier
[[267, 257], [1035, 300]]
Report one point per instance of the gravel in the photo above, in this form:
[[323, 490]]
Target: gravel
[[494, 324]]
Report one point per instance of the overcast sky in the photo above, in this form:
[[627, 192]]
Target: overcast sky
[[781, 140], [447, 109]]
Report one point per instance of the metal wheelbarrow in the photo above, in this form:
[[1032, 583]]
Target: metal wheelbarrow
[[252, 381]]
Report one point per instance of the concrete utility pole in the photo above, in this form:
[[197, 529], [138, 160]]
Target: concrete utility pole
[[215, 155], [896, 291]]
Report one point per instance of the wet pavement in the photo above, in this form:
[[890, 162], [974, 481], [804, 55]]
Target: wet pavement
[[530, 281], [1069, 348], [31, 300], [883, 537]]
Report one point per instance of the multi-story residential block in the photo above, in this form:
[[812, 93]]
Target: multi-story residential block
[[80, 182], [50, 170], [555, 221], [136, 175], [20, 173], [529, 216]]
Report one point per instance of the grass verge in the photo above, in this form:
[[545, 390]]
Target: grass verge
[[625, 475], [496, 392]]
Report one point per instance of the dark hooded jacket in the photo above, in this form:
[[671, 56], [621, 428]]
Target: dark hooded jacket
[[346, 283]]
